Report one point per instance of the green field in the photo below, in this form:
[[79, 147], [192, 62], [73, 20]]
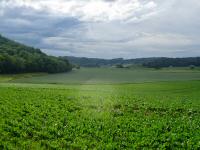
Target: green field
[[114, 76], [13, 77], [92, 109]]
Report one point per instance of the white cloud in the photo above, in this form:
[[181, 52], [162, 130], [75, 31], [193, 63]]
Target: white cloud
[[163, 40], [18, 22], [90, 10], [105, 28]]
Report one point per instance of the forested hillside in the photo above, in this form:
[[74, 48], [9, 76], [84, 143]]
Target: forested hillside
[[173, 62], [154, 62], [18, 58], [96, 62]]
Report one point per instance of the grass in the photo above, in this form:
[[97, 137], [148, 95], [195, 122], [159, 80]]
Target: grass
[[11, 77], [156, 115], [113, 75], [127, 116]]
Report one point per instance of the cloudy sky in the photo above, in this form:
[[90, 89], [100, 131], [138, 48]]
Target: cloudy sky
[[105, 28]]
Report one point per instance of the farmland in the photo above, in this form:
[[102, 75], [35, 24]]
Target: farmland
[[114, 76], [98, 109]]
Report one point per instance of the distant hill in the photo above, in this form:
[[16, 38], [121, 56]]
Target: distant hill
[[154, 62], [173, 62], [96, 62], [18, 58]]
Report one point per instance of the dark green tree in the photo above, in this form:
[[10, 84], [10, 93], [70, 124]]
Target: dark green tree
[[18, 58]]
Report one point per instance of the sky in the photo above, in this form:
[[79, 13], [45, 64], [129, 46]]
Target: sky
[[105, 28]]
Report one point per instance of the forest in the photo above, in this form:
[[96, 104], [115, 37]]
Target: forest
[[151, 62], [174, 62], [18, 58]]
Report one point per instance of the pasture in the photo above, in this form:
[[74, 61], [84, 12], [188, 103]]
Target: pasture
[[92, 109], [114, 76]]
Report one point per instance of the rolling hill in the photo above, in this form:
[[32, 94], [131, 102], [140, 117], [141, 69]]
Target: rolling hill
[[96, 62], [18, 58], [152, 62]]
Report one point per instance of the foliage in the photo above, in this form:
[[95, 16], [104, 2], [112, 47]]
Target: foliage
[[18, 58], [96, 62], [12, 77], [154, 62], [119, 66], [127, 116], [175, 62]]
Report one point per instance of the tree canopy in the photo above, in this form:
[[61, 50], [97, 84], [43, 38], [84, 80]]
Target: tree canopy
[[153, 62], [173, 62], [18, 58]]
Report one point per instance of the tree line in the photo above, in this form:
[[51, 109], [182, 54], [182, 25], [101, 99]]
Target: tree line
[[152, 62], [98, 62], [173, 62], [18, 58]]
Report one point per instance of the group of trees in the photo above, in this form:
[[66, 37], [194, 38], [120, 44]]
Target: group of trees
[[173, 62], [18, 58], [153, 62], [97, 62]]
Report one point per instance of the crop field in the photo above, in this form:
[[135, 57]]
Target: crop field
[[9, 78], [156, 115], [127, 116], [113, 76]]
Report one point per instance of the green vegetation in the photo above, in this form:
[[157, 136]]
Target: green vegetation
[[18, 58], [101, 108], [97, 62], [115, 75], [11, 77], [127, 116], [154, 62], [175, 62]]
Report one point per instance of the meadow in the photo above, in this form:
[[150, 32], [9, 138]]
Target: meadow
[[114, 76], [98, 109]]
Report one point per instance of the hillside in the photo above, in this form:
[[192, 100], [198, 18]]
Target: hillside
[[96, 62], [174, 62], [153, 62], [18, 58]]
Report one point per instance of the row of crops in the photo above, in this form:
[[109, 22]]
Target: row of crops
[[129, 116]]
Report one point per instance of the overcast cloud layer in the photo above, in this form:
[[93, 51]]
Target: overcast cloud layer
[[105, 28]]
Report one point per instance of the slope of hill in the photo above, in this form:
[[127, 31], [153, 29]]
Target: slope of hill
[[95, 62], [153, 62], [18, 58], [174, 62]]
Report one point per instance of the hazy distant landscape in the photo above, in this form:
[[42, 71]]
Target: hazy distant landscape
[[112, 76], [88, 108], [110, 105], [99, 74]]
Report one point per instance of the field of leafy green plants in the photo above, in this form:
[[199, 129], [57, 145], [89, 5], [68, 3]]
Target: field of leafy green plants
[[113, 76], [164, 115]]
